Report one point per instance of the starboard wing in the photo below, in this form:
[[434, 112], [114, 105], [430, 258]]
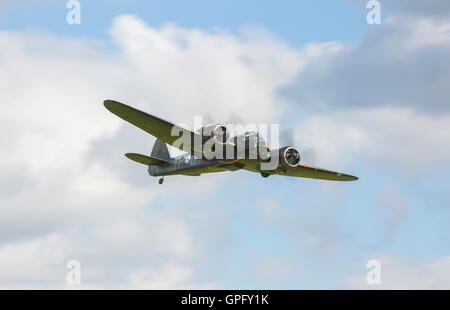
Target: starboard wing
[[307, 171]]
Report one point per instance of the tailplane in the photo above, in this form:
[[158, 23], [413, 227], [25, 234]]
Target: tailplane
[[145, 160], [160, 155]]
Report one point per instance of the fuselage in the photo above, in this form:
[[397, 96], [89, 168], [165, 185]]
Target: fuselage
[[190, 164]]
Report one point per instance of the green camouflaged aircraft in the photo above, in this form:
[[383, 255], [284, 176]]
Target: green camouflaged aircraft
[[248, 151]]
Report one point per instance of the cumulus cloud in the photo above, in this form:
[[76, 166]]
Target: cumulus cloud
[[223, 80], [403, 63], [34, 262], [42, 263], [392, 139]]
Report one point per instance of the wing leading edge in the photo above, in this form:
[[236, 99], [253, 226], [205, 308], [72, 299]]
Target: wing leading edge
[[153, 125]]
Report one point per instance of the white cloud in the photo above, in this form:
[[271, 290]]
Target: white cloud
[[168, 277], [318, 234], [155, 234], [382, 101], [406, 138], [395, 139], [42, 263], [65, 181], [401, 63], [205, 73], [37, 259]]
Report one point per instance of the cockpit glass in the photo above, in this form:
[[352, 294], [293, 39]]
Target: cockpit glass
[[254, 137]]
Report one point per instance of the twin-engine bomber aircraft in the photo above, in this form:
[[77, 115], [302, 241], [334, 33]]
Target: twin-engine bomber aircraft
[[202, 143]]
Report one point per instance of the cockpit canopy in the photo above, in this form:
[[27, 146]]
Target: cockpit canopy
[[252, 144], [254, 137]]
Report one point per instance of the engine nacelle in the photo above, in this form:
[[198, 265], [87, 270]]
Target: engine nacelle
[[288, 157], [218, 132]]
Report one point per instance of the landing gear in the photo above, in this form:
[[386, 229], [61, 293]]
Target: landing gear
[[265, 174], [161, 180]]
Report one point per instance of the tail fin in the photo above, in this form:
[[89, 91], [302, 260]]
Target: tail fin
[[160, 150]]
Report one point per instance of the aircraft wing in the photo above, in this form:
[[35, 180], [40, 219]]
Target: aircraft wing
[[307, 171], [153, 125]]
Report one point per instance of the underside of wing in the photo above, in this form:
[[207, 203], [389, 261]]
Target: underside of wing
[[153, 125], [307, 171]]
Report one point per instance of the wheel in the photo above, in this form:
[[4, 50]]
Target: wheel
[[160, 181], [265, 174]]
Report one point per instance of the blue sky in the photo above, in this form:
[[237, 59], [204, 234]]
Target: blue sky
[[231, 230], [296, 22]]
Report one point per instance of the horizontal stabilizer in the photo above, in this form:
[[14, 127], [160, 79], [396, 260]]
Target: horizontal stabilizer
[[145, 160]]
